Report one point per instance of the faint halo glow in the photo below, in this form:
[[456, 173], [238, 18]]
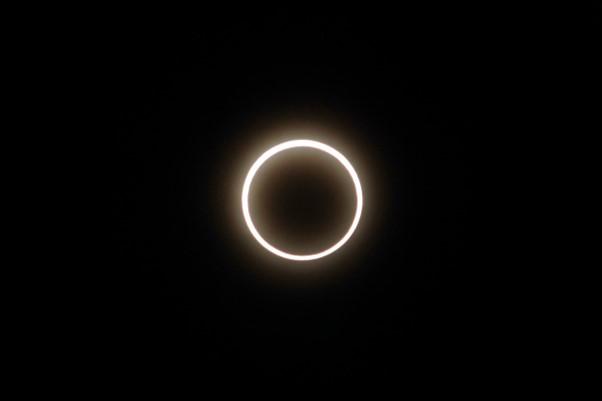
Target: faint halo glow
[[301, 143]]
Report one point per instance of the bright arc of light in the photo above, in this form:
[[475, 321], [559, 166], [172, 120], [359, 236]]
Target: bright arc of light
[[301, 143]]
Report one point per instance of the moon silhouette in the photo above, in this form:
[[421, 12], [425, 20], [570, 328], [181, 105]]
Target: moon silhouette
[[301, 143]]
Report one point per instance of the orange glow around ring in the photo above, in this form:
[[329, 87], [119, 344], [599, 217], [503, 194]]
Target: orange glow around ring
[[301, 143]]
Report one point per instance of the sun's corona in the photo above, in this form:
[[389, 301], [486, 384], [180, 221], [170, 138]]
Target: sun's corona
[[301, 143]]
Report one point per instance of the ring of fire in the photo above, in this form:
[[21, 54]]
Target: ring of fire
[[304, 143]]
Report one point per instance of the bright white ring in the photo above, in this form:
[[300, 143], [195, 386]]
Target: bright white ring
[[296, 144]]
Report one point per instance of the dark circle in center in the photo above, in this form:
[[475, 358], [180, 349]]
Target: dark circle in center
[[302, 200]]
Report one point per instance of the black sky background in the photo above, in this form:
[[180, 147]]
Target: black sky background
[[424, 92]]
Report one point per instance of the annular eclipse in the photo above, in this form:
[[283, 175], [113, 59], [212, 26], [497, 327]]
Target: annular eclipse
[[301, 143]]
